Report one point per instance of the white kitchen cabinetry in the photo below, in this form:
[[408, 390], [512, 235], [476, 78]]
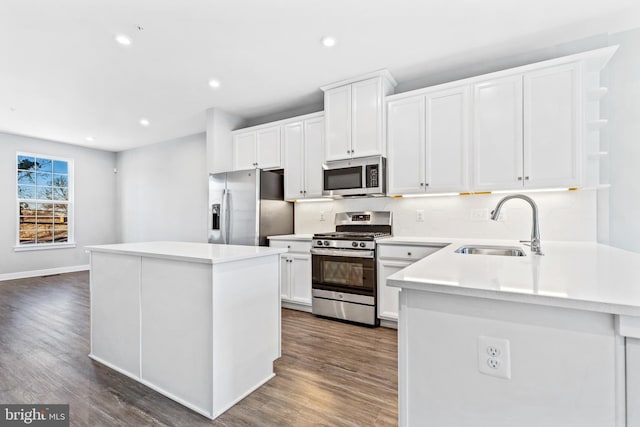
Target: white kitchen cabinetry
[[428, 142], [354, 113], [525, 130], [497, 134], [295, 273], [303, 157], [259, 148], [391, 259]]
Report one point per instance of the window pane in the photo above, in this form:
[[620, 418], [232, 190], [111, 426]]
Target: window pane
[[60, 213], [45, 233], [27, 209], [60, 193], [60, 180], [44, 210], [44, 165], [43, 178], [60, 167], [26, 177], [26, 191], [26, 163], [44, 193], [60, 233], [27, 233]]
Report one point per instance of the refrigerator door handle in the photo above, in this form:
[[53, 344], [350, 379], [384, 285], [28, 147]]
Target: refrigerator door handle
[[227, 216], [223, 217]]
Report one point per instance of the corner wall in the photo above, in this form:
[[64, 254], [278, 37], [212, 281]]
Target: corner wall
[[163, 191]]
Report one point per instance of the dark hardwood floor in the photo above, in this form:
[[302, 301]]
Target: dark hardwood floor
[[330, 373]]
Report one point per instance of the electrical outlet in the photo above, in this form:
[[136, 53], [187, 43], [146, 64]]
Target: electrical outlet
[[420, 215], [322, 216], [480, 214], [494, 357]]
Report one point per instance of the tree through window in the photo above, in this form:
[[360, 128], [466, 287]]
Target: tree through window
[[44, 200]]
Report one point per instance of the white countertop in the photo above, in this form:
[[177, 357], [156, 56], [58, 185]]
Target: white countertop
[[580, 275], [187, 251], [304, 237]]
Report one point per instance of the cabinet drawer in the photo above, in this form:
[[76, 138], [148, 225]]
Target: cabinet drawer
[[292, 245], [410, 253]]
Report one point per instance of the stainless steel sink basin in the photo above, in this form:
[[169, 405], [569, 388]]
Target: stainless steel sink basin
[[491, 250]]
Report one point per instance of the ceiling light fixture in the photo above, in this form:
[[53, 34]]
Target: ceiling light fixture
[[89, 139], [144, 122], [123, 39], [214, 83], [328, 41]]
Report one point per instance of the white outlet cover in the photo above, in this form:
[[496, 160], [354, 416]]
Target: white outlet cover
[[486, 363], [480, 214], [420, 215]]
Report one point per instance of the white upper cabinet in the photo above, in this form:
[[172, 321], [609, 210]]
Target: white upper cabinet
[[354, 112], [428, 142], [497, 134], [551, 129], [257, 149], [526, 130], [244, 151], [337, 104], [406, 140], [303, 158]]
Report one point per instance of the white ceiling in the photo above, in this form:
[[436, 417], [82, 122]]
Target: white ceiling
[[62, 76]]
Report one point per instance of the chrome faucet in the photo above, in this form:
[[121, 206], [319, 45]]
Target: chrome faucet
[[535, 229]]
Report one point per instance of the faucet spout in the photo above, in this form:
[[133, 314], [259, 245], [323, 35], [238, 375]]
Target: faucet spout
[[535, 228]]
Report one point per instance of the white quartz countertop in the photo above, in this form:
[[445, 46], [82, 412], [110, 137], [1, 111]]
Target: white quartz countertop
[[586, 276], [186, 251], [303, 237]]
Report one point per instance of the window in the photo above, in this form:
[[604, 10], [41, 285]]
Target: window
[[44, 201]]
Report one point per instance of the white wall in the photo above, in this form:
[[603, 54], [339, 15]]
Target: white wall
[[163, 191], [94, 211], [219, 139], [621, 138], [569, 215]]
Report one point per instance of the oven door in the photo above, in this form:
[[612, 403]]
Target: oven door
[[344, 270]]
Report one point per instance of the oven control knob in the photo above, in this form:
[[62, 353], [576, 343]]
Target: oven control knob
[[362, 244], [326, 243], [354, 244], [319, 242]]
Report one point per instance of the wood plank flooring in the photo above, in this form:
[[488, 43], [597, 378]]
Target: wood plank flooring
[[330, 373]]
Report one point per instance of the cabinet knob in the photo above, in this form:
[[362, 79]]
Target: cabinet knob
[[422, 184], [408, 253], [288, 246], [305, 191], [427, 184], [348, 151], [519, 178], [526, 178], [300, 191]]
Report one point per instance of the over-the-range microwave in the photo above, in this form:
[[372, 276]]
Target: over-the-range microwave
[[355, 177]]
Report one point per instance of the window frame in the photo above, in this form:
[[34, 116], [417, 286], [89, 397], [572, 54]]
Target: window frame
[[70, 243]]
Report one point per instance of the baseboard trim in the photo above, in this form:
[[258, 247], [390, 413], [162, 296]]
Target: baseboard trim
[[45, 272]]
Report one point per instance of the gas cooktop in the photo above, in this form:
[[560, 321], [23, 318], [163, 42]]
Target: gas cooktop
[[351, 235]]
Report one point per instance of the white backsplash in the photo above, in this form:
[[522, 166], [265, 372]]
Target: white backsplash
[[567, 215]]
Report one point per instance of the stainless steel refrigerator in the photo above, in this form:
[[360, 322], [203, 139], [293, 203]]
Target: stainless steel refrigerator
[[247, 206]]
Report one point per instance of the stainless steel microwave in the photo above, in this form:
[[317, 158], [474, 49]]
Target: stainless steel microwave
[[355, 177]]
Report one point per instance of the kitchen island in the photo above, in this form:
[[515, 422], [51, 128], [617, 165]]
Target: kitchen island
[[197, 322], [530, 340]]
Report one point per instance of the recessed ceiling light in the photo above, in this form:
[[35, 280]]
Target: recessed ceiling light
[[89, 139], [123, 39], [144, 122], [214, 83], [328, 41]]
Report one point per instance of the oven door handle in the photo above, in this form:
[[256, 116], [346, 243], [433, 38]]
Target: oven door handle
[[343, 252]]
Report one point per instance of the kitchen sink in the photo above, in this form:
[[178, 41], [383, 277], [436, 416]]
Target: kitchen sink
[[491, 250]]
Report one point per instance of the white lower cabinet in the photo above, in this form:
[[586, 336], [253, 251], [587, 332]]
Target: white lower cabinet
[[295, 273], [391, 259]]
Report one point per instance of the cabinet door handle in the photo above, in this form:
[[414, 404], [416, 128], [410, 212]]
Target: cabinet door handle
[[519, 178]]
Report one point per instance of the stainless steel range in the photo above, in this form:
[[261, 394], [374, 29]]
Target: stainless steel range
[[343, 268]]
